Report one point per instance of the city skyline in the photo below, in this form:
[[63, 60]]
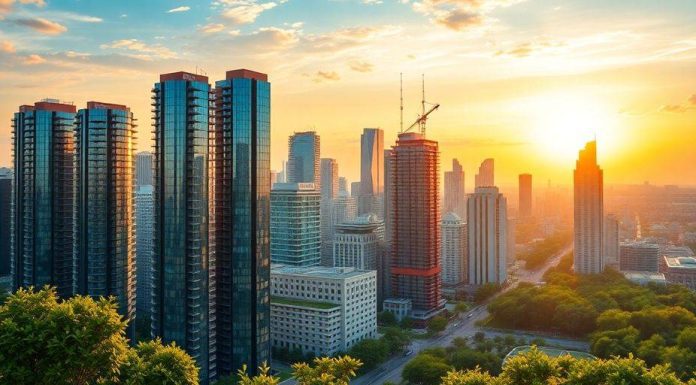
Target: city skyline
[[536, 73]]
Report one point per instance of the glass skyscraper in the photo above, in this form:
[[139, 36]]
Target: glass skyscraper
[[183, 304], [104, 227], [242, 232], [143, 169], [44, 180], [144, 221], [295, 224], [5, 220], [303, 158]]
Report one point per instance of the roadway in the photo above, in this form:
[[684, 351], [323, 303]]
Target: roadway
[[464, 326]]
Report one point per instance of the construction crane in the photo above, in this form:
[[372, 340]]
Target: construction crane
[[423, 117]]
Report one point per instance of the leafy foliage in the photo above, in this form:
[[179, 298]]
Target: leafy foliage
[[327, 371], [541, 251], [373, 352]]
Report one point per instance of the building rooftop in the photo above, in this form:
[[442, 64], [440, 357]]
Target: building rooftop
[[452, 217], [105, 106], [303, 303], [294, 187], [640, 244], [318, 271], [644, 277], [677, 251], [686, 263]]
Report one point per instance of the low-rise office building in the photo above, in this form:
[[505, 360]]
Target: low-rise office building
[[679, 270]]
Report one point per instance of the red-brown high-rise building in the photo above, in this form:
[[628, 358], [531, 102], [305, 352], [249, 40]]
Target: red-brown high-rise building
[[415, 224]]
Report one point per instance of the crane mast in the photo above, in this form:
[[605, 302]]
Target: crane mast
[[423, 117]]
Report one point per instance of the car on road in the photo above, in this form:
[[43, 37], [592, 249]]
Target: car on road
[[470, 315], [408, 352]]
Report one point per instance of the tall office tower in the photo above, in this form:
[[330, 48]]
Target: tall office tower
[[525, 196], [104, 227], [342, 184], [6, 220], [415, 224], [274, 177], [487, 236], [486, 175], [454, 251], [371, 172], [242, 234], [639, 256], [387, 224], [295, 224], [144, 222], [329, 191], [355, 190], [283, 174], [143, 169], [303, 158], [455, 196], [589, 212], [610, 243], [344, 209], [183, 262], [44, 180]]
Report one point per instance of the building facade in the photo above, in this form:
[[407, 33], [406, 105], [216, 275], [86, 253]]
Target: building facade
[[105, 206], [610, 243], [242, 220], [295, 224], [454, 251], [487, 236], [415, 224], [486, 174], [44, 196], [525, 196], [371, 172], [589, 212], [143, 169], [6, 220], [679, 270], [183, 303], [329, 191], [303, 158], [639, 256], [455, 196], [144, 229], [322, 310]]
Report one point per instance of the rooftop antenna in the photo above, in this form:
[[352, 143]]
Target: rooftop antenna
[[401, 93]]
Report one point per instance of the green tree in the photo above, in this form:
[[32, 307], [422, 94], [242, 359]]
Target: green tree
[[153, 363], [370, 352], [47, 341], [437, 324], [327, 371], [263, 378], [461, 307], [396, 339], [425, 369], [531, 368], [386, 318], [469, 377]]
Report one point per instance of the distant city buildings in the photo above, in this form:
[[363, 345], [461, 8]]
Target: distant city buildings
[[329, 191], [183, 262], [454, 253], [344, 209], [610, 241], [486, 174], [6, 221], [371, 172], [455, 195], [355, 190], [144, 230], [639, 256], [143, 169], [342, 184], [525, 196], [322, 310], [487, 236], [679, 270], [589, 212], [105, 230], [414, 224], [303, 158], [43, 237], [295, 224]]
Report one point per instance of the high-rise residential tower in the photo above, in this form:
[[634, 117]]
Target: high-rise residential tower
[[44, 180], [329, 191], [183, 261], [415, 224], [242, 223], [295, 224], [143, 169], [342, 184], [104, 226], [610, 241], [303, 158], [525, 195], [371, 171], [487, 236], [589, 212], [486, 174], [454, 251], [355, 190], [6, 220], [144, 229], [455, 197]]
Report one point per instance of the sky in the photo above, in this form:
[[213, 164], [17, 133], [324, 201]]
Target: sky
[[523, 81]]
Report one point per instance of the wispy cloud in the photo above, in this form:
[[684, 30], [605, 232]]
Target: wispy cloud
[[459, 15], [244, 11], [7, 46], [141, 50], [183, 8], [42, 25], [361, 66], [212, 28], [79, 17], [321, 76], [34, 59]]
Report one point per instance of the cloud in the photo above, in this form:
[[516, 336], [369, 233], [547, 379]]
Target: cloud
[[521, 50], [79, 17], [321, 76], [7, 46], [38, 3], [34, 59], [183, 8], [372, 2], [459, 15], [142, 50], [244, 11], [212, 28], [458, 19], [41, 25], [675, 108], [361, 66], [692, 99]]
